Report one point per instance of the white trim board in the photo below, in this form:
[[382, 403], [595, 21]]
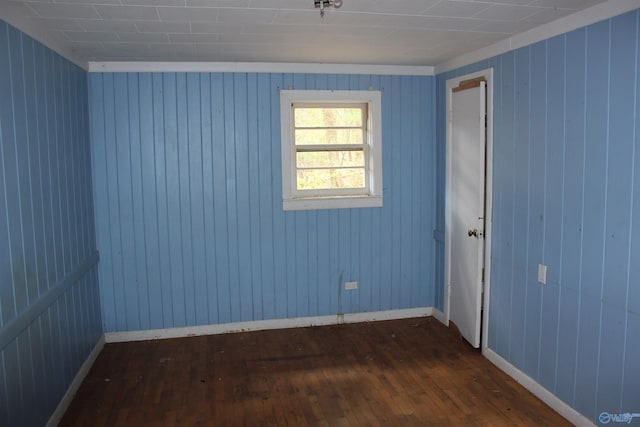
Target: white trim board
[[258, 67], [439, 315], [66, 400], [568, 23], [540, 392], [260, 325]]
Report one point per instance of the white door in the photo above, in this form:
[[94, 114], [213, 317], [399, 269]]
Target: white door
[[466, 204]]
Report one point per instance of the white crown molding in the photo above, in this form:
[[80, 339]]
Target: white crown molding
[[260, 325], [568, 23], [538, 390], [258, 67], [10, 14]]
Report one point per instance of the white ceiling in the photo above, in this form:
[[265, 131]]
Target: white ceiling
[[391, 32]]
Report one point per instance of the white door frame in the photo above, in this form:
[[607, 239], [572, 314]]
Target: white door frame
[[451, 83]]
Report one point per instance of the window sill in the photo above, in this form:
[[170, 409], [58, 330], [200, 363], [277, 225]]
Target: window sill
[[342, 202]]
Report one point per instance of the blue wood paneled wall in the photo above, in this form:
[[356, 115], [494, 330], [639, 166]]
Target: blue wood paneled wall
[[190, 224], [49, 312], [566, 194]]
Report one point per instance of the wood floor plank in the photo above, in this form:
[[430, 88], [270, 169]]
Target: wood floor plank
[[411, 372]]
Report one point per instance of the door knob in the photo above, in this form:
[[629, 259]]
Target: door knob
[[474, 232]]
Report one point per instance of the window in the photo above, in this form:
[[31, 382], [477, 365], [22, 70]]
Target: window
[[331, 149]]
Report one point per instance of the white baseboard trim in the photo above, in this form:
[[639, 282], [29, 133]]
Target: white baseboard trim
[[439, 315], [57, 415], [540, 392], [258, 325]]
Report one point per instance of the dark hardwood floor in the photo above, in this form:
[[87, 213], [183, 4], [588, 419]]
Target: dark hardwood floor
[[412, 372]]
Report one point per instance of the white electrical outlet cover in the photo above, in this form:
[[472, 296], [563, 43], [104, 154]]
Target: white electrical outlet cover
[[542, 274]]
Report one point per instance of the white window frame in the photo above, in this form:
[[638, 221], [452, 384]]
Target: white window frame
[[293, 199]]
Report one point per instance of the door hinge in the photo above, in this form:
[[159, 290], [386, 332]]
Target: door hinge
[[482, 275]]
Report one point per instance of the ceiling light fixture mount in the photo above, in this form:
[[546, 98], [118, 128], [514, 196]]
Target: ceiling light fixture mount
[[323, 4]]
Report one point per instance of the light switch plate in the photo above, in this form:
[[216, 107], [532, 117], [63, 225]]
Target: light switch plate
[[542, 274]]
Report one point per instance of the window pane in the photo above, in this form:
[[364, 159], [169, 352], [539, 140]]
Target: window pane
[[327, 117], [321, 179], [324, 159], [328, 136]]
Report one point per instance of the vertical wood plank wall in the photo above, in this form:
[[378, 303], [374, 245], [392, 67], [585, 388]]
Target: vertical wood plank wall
[[566, 193], [189, 217], [46, 228]]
